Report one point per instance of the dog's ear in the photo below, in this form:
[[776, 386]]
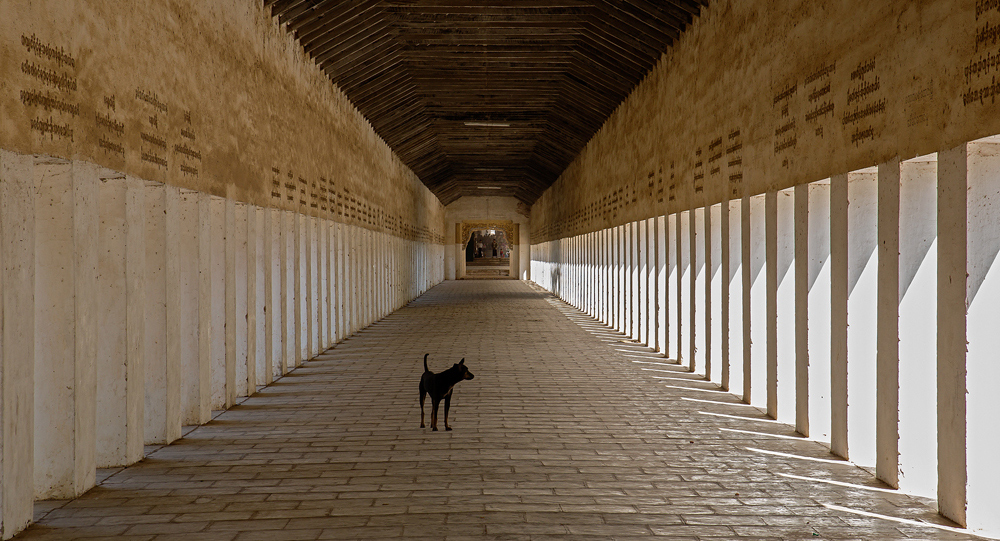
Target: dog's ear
[[462, 361]]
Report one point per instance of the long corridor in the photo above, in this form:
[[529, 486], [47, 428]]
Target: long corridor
[[568, 431]]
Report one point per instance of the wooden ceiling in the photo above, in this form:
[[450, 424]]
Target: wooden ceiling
[[482, 97]]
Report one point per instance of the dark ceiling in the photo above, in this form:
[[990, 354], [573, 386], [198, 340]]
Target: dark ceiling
[[484, 97]]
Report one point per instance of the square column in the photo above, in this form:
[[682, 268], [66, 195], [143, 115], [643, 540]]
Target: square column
[[217, 300], [638, 282], [256, 354], [66, 244], [755, 302], [683, 332], [714, 320], [194, 369], [736, 310], [622, 290], [780, 232], [121, 301], [662, 271], [17, 341], [652, 292], [673, 290], [699, 300], [812, 309], [969, 232]]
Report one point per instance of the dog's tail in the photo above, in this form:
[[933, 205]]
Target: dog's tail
[[425, 362]]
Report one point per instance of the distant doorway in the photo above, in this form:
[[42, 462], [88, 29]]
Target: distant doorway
[[487, 254]]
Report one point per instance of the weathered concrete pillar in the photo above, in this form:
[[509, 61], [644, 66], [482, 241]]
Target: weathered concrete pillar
[[780, 253], [838, 313], [714, 321], [862, 323], [683, 298], [193, 367], [652, 291], [974, 170], [287, 262], [255, 299], [736, 307], [232, 317], [662, 308], [913, 319], [217, 300], [272, 299], [66, 244], [120, 322], [206, 329], [641, 287], [340, 282], [327, 260], [301, 289], [699, 301], [755, 301], [307, 288], [621, 284], [673, 290], [236, 301], [157, 426], [17, 341], [174, 319], [952, 298], [887, 324], [812, 309], [635, 283]]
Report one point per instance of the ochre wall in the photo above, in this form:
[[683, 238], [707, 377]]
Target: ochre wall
[[207, 95], [761, 95]]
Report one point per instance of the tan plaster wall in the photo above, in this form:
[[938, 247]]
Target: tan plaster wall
[[207, 95], [761, 95]]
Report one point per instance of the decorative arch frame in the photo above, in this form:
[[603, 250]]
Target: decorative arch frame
[[507, 226]]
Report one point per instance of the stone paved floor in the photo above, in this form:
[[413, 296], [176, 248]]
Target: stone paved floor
[[567, 432]]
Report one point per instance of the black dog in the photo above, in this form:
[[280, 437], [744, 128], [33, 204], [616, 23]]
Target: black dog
[[440, 386]]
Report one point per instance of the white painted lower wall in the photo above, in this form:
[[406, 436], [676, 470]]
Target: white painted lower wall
[[842, 306], [130, 308]]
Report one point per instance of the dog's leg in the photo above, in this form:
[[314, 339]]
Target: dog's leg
[[434, 413], [423, 395], [447, 405]]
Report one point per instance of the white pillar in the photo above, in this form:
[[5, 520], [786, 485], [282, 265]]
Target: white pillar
[[670, 307], [121, 326], [272, 297], [217, 300], [17, 341], [621, 280], [255, 299], [309, 289], [714, 322], [838, 314], [156, 429], [684, 323], [206, 330], [173, 333], [641, 288], [232, 318], [195, 393], [781, 382], [662, 308], [981, 370], [813, 310], [735, 309], [288, 270], [66, 245], [236, 301], [952, 298], [862, 323], [300, 289], [699, 301], [755, 273], [652, 289]]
